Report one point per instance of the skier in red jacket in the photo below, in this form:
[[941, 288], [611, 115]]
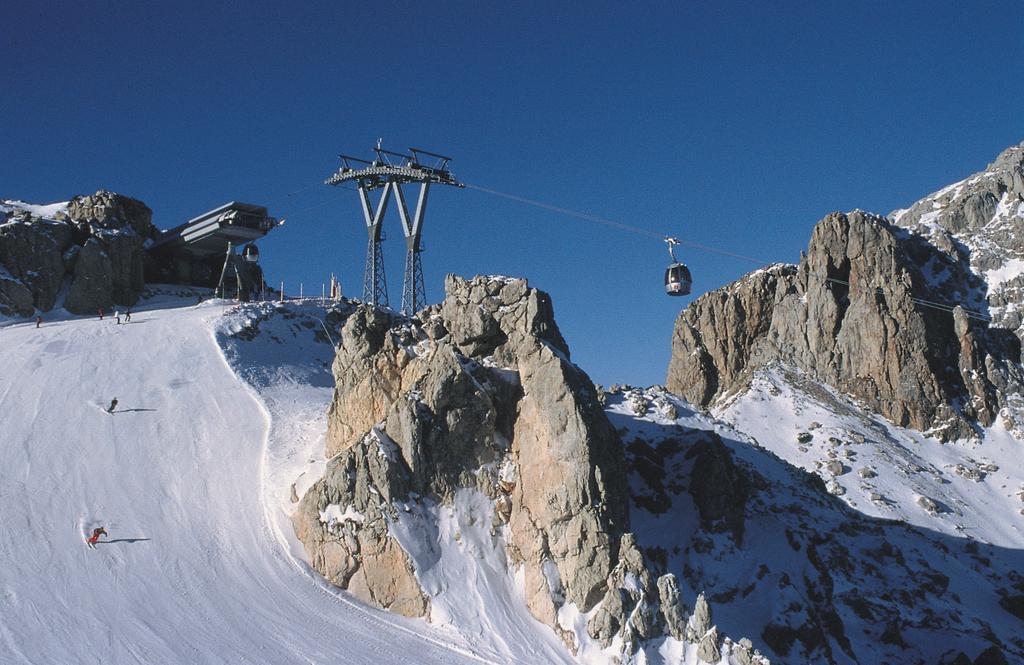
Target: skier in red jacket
[[94, 538]]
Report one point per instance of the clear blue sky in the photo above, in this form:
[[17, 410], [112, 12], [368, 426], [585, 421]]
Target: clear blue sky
[[736, 125]]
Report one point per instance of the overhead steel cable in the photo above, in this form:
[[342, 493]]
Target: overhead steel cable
[[945, 307], [292, 213]]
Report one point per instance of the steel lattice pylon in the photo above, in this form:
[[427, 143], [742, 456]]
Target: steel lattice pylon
[[414, 292], [375, 285], [382, 174]]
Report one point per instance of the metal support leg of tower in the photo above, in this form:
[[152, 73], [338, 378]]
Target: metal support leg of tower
[[375, 286], [224, 270], [414, 293]]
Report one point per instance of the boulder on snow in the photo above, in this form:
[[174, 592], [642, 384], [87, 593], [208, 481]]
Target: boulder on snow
[[928, 504]]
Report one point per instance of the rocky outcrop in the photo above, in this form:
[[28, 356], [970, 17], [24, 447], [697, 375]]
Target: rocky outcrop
[[856, 315], [107, 211], [32, 251], [718, 489], [345, 529], [479, 392], [15, 298], [830, 583], [972, 204], [719, 339], [91, 286], [97, 241], [113, 273], [675, 618]]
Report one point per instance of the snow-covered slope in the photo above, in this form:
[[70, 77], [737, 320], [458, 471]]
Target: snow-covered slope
[[971, 489], [47, 211], [810, 578], [196, 568]]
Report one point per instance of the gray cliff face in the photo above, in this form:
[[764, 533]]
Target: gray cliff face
[[113, 273], [973, 204], [15, 297], [91, 285], [479, 392], [852, 314], [97, 243], [32, 251]]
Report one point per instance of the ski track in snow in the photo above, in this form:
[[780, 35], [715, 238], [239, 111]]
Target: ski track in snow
[[193, 569]]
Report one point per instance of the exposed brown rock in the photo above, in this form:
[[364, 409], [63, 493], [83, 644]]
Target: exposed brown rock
[[848, 316], [357, 553], [479, 383]]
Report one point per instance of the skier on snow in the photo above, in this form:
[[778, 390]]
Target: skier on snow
[[113, 405], [94, 538]]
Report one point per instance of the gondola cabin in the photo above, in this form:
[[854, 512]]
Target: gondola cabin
[[251, 254], [677, 280]]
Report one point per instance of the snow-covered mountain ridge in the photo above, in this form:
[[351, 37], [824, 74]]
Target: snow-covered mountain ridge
[[979, 221], [889, 338], [226, 544]]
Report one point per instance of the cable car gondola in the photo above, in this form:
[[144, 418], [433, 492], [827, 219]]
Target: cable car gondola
[[677, 275], [251, 254]]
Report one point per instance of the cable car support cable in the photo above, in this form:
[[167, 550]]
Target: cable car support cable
[[671, 240], [761, 263]]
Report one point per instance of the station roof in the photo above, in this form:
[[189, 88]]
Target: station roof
[[209, 233]]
